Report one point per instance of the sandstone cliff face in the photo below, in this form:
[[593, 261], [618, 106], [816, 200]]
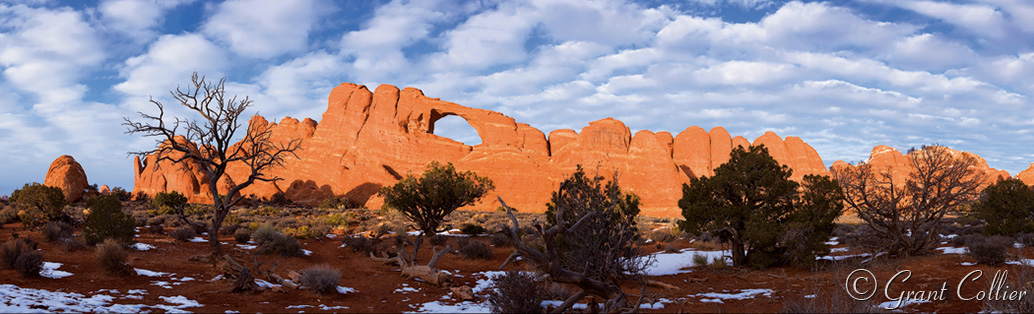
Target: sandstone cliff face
[[887, 158], [1027, 175], [367, 140], [67, 174]]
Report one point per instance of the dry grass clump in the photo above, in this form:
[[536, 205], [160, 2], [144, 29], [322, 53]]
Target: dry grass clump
[[271, 241], [320, 278], [990, 250], [183, 233], [56, 230], [515, 292], [242, 235], [474, 249], [21, 255], [439, 240], [358, 243], [112, 258]]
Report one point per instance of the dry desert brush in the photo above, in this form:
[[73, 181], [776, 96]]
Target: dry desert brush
[[515, 292], [905, 215], [320, 278], [21, 255], [111, 257], [207, 143]]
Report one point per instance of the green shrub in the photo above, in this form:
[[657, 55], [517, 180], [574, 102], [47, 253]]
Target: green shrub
[[55, 230], [121, 194], [183, 233], [337, 202], [112, 258], [281, 244], [107, 220], [472, 229], [29, 264], [38, 203], [991, 250], [321, 278], [169, 203], [1008, 208], [439, 191], [515, 292], [242, 235]]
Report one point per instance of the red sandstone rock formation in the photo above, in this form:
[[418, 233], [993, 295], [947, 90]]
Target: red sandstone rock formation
[[104, 190], [67, 174], [367, 140], [886, 157], [1027, 175]]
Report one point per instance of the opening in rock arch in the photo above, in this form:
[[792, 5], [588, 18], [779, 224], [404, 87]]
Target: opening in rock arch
[[456, 129]]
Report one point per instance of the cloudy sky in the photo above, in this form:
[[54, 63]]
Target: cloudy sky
[[843, 75]]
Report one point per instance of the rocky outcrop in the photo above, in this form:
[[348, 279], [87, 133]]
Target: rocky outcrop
[[1027, 175], [67, 174], [887, 158], [367, 140]]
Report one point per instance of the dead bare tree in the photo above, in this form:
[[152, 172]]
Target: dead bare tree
[[549, 263], [213, 135], [904, 216], [427, 273]]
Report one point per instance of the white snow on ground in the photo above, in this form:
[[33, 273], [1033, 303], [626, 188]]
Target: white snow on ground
[[833, 241], [891, 305], [299, 306], [712, 301], [742, 295], [149, 273], [406, 290], [198, 239], [462, 307], [839, 249], [265, 284], [247, 246], [50, 271], [1022, 261], [14, 299], [306, 252], [949, 236], [142, 246], [450, 232], [810, 296], [344, 290], [328, 308], [555, 303], [953, 250], [672, 263], [840, 257], [968, 264]]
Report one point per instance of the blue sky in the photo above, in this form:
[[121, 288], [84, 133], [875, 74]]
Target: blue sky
[[843, 75]]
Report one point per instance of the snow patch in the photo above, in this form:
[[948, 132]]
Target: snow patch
[[247, 246], [306, 252], [344, 290], [890, 305], [742, 295], [968, 264], [198, 240], [462, 307], [14, 299], [673, 263], [149, 273], [50, 271], [953, 250]]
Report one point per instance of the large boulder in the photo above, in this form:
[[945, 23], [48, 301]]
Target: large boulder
[[67, 174]]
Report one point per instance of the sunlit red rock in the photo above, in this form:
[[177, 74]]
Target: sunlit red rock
[[367, 140], [67, 174]]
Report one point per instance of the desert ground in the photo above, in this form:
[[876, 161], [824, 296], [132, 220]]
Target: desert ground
[[165, 278]]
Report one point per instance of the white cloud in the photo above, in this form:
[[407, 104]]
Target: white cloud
[[928, 51], [980, 19], [489, 38], [265, 28], [744, 73], [603, 21], [169, 62], [377, 48]]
